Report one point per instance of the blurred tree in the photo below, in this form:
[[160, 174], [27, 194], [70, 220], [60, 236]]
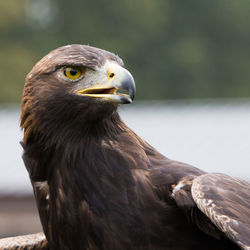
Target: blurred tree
[[175, 49]]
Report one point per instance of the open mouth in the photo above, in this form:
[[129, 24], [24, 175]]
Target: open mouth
[[102, 92]]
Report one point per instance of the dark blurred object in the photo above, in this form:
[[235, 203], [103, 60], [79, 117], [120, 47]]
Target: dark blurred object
[[191, 49], [18, 215]]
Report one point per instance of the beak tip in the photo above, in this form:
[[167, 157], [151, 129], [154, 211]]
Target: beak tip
[[129, 85], [130, 101], [126, 100]]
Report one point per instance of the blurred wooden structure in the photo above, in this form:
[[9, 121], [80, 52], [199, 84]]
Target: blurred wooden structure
[[18, 215]]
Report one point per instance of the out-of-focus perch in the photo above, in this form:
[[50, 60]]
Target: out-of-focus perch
[[27, 242]]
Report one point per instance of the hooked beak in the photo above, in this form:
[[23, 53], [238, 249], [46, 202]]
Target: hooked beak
[[118, 87]]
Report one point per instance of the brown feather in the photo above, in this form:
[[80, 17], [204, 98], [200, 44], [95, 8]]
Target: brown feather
[[226, 201]]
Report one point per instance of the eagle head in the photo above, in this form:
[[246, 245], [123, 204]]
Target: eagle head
[[73, 87]]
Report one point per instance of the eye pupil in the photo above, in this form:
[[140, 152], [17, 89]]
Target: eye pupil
[[73, 72]]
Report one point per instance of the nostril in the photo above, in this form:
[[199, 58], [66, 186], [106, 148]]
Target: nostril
[[111, 75]]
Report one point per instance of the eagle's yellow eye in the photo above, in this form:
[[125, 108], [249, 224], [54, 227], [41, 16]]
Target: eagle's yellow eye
[[73, 73]]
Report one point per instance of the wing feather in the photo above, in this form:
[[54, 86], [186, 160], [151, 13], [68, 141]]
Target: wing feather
[[226, 201]]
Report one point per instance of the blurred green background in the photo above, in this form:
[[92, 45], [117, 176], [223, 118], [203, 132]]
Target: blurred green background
[[174, 49]]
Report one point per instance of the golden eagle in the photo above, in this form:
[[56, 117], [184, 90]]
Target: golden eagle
[[100, 186]]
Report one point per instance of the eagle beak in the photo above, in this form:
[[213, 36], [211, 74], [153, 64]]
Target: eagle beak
[[119, 87]]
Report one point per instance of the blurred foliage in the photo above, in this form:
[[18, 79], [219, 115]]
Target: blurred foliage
[[174, 49]]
